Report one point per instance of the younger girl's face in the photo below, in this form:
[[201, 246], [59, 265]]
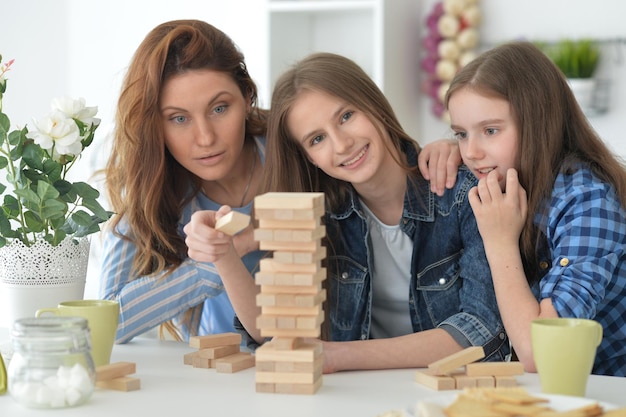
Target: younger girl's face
[[204, 118], [487, 133], [338, 138]]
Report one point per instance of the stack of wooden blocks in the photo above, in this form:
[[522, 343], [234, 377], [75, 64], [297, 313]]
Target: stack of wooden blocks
[[291, 293], [115, 376], [458, 371], [220, 351]]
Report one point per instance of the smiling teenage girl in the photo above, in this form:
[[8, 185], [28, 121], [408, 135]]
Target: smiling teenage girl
[[188, 138], [408, 280], [550, 201]]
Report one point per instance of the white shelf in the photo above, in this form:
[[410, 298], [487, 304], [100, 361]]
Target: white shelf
[[379, 35]]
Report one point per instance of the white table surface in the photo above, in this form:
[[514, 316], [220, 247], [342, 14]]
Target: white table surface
[[170, 388]]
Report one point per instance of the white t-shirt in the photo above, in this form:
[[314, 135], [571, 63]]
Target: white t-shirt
[[391, 250]]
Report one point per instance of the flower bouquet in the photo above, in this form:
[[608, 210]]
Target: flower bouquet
[[45, 220]]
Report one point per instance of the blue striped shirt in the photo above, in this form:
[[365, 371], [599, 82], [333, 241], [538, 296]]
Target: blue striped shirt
[[585, 261], [148, 301]]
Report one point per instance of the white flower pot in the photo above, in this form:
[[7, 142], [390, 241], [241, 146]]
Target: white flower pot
[[40, 276], [583, 89]]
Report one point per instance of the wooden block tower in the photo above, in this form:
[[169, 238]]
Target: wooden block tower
[[291, 294]]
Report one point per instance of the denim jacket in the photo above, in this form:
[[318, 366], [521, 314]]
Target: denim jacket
[[450, 286]]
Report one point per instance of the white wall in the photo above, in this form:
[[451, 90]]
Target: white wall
[[82, 47]]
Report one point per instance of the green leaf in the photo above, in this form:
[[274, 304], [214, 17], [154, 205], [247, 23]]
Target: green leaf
[[45, 191], [96, 209], [85, 190], [3, 162], [53, 170], [34, 222], [11, 204], [32, 156], [17, 138], [53, 209], [5, 124], [65, 187], [82, 218], [28, 195], [2, 188]]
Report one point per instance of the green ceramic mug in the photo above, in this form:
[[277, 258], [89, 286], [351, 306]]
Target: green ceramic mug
[[564, 350], [102, 316]]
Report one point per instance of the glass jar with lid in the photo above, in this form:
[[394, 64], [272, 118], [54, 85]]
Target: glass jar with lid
[[51, 366]]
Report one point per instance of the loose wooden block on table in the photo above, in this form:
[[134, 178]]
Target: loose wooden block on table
[[456, 360], [235, 362], [124, 383], [218, 351], [232, 222], [115, 370], [213, 340], [436, 382], [494, 368]]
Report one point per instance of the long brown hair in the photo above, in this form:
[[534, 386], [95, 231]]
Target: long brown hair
[[554, 134], [146, 185], [287, 167]]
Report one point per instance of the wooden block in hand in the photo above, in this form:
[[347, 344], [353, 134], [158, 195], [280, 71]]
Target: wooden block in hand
[[450, 363], [232, 222], [124, 383], [114, 370]]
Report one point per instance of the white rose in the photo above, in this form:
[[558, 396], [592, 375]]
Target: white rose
[[76, 109], [59, 131]]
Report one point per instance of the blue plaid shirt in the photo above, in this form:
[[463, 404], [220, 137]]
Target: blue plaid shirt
[[585, 261]]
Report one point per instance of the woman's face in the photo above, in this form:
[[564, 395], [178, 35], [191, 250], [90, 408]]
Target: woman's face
[[487, 133], [204, 118], [337, 137]]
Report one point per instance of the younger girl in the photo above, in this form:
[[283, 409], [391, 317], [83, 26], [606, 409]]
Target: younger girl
[[550, 201]]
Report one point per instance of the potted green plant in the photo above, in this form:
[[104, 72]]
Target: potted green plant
[[578, 60]]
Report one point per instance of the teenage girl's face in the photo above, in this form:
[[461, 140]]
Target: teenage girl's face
[[204, 115], [337, 137], [487, 133]]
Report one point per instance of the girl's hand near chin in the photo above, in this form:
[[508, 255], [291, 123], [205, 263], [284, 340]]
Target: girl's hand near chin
[[500, 216]]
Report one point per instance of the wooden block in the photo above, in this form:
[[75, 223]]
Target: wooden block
[[123, 383], [299, 388], [232, 222], [505, 381], [290, 279], [206, 363], [464, 381], [314, 333], [307, 352], [436, 382], [114, 370], [285, 366], [290, 224], [292, 311], [287, 343], [235, 363], [485, 381], [213, 340], [293, 246], [494, 369], [289, 200], [265, 387], [281, 321], [288, 257], [218, 351], [288, 214], [188, 358], [290, 300], [292, 289], [289, 377], [456, 360], [270, 265]]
